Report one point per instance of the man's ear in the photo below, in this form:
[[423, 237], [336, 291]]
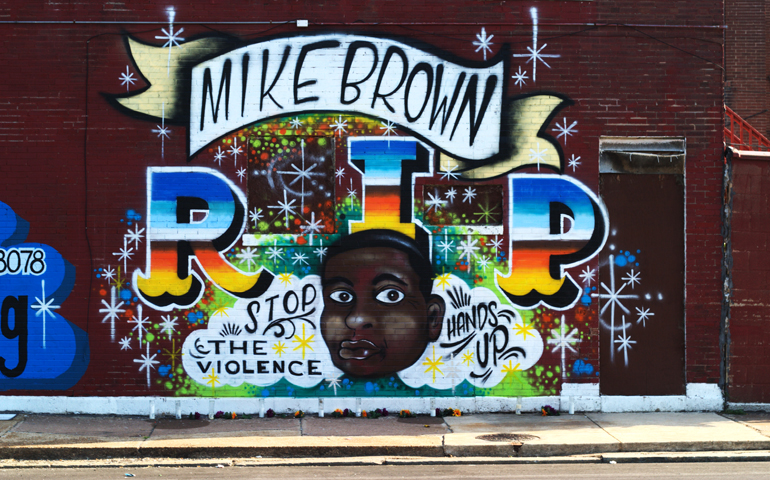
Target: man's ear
[[436, 309]]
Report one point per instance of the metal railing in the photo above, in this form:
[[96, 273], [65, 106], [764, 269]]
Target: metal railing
[[741, 135]]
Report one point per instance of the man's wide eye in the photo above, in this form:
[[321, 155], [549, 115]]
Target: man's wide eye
[[341, 296], [390, 295]]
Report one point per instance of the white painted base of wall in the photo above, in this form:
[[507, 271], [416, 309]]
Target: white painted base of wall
[[749, 407], [584, 398], [698, 397]]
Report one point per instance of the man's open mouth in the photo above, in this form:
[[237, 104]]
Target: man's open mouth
[[358, 349]]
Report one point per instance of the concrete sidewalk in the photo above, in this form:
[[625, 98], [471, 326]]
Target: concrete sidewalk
[[619, 437]]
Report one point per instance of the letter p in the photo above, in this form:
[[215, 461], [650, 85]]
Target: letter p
[[555, 223]]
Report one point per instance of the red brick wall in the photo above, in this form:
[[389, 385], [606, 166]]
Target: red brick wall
[[747, 88], [658, 80]]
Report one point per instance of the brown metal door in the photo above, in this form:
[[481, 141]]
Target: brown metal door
[[749, 369], [641, 285]]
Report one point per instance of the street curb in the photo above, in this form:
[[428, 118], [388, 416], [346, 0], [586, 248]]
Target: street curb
[[367, 461], [687, 457], [128, 463], [508, 451], [55, 452]]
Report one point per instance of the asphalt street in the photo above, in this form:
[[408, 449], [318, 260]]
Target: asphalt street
[[681, 471]]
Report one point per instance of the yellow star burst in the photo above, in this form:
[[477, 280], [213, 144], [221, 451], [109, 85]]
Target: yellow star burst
[[173, 354], [303, 342], [285, 278], [443, 280], [213, 379], [468, 358], [510, 368], [280, 348], [523, 329], [433, 364], [119, 281], [220, 311]]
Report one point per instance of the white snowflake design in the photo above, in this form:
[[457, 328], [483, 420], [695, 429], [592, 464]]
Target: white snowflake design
[[339, 126], [644, 315], [450, 194], [535, 53], [286, 207], [124, 253], [563, 341], [340, 174], [247, 256], [274, 252], [624, 341], [446, 245], [351, 191], [588, 275], [389, 128], [135, 236], [536, 155], [565, 130], [109, 274], [334, 382], [483, 43], [235, 150], [483, 263], [172, 38], [632, 278], [112, 310], [434, 201], [468, 248], [301, 174], [614, 299], [321, 251], [313, 227], [299, 258], [573, 162], [139, 322], [168, 325], [520, 77], [44, 307], [127, 79], [147, 362], [255, 216], [497, 243], [219, 155], [450, 174], [162, 131], [469, 194]]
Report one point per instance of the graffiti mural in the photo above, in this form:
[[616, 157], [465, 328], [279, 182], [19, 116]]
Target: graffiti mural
[[353, 215], [39, 349]]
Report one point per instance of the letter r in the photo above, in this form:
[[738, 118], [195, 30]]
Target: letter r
[[192, 213]]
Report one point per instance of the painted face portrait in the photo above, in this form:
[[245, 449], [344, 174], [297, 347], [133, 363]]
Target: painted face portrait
[[378, 312]]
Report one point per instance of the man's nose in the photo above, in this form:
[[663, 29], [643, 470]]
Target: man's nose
[[362, 316]]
